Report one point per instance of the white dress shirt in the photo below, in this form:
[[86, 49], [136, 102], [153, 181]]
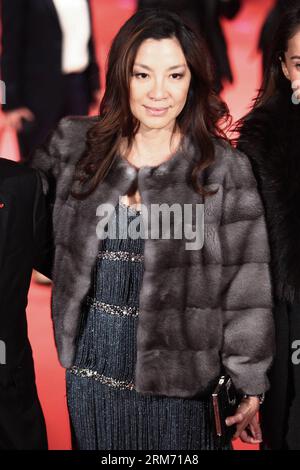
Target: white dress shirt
[[74, 21]]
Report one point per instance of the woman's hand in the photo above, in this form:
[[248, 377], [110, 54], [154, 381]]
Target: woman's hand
[[246, 419], [14, 118]]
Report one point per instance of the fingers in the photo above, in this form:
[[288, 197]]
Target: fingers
[[247, 438], [27, 114], [240, 428], [255, 429], [241, 413], [236, 419], [249, 431], [247, 434], [252, 434], [245, 419], [14, 118]]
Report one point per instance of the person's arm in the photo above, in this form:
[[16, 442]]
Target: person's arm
[[248, 342], [51, 160], [46, 161], [42, 232], [246, 282]]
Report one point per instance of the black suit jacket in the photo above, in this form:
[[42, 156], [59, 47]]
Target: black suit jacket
[[25, 242], [31, 55]]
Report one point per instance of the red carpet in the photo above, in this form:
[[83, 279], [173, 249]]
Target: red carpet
[[242, 36]]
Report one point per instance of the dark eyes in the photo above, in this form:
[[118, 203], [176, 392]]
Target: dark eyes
[[177, 75], [142, 75]]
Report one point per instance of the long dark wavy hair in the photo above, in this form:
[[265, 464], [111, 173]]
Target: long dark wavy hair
[[202, 118], [275, 82]]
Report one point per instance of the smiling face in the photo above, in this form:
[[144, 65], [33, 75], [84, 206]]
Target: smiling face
[[159, 84], [291, 63]]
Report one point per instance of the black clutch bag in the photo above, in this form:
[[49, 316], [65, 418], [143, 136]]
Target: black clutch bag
[[225, 400]]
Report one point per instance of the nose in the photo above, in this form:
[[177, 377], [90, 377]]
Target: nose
[[158, 90]]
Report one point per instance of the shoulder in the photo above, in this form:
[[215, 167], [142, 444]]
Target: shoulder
[[69, 137], [262, 127], [64, 145], [16, 178], [259, 118], [14, 171], [70, 124], [231, 167]]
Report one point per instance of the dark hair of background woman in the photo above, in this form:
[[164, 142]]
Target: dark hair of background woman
[[201, 119], [274, 81]]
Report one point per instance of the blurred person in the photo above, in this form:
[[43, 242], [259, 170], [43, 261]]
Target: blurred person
[[48, 65], [24, 243], [270, 137], [206, 14], [143, 324]]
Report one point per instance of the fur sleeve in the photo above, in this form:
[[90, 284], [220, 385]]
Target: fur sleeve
[[246, 285], [47, 159], [57, 157]]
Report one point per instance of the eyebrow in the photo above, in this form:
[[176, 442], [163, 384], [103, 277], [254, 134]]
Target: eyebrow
[[295, 57], [149, 68]]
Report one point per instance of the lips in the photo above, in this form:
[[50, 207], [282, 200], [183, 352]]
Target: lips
[[156, 111]]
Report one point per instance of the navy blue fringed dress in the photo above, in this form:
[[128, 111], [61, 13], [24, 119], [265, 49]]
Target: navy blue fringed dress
[[106, 412]]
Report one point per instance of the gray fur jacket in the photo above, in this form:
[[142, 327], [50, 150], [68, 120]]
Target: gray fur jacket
[[200, 310]]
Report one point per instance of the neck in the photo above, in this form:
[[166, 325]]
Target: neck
[[153, 146]]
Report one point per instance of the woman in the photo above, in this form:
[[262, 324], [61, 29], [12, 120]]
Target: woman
[[144, 324], [49, 78], [269, 136], [270, 26]]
